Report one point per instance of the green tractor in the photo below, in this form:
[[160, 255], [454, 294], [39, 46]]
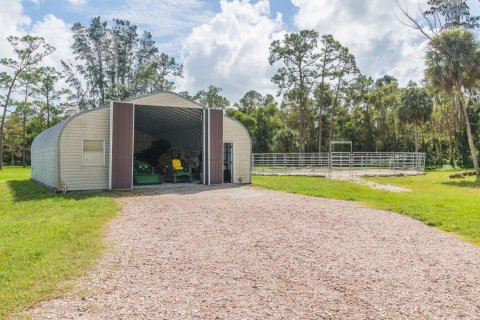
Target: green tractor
[[177, 170], [144, 173]]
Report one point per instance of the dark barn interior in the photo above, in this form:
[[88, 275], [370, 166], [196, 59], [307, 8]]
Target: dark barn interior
[[167, 145]]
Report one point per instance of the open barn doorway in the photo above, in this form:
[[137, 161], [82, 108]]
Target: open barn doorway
[[227, 162], [167, 145]]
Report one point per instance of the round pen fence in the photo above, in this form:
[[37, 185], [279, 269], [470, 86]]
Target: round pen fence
[[339, 163]]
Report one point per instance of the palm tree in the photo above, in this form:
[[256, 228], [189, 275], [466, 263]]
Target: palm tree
[[416, 107], [453, 65]]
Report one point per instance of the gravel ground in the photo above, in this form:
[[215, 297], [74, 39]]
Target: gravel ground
[[243, 253]]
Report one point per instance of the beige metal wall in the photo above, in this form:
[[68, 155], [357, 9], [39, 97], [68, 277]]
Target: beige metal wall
[[93, 125], [45, 164], [234, 132]]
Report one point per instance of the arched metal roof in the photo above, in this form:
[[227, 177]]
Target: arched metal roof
[[160, 119], [182, 124], [51, 135], [165, 99], [45, 155]]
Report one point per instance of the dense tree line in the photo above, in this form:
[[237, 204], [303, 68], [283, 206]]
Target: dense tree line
[[115, 63], [325, 97], [27, 91], [110, 63], [322, 95]]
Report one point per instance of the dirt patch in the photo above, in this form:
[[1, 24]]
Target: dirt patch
[[371, 184], [242, 253], [384, 187]]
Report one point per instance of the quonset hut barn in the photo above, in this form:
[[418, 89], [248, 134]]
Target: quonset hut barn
[[111, 148]]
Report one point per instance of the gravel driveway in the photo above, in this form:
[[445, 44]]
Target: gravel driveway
[[243, 253]]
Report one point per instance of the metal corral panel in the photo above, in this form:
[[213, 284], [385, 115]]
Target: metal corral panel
[[165, 99], [234, 132], [92, 125], [45, 153], [122, 146]]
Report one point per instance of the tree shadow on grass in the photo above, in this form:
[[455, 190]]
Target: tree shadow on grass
[[27, 190], [463, 184]]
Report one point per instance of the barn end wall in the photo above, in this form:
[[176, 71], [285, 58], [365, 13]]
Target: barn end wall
[[45, 162], [92, 125], [234, 132]]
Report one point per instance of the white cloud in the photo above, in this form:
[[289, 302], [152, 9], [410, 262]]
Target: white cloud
[[231, 50], [57, 33], [12, 22], [372, 30], [167, 18], [77, 2], [54, 30]]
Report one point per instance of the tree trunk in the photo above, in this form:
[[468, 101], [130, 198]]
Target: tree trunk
[[302, 111], [416, 138], [332, 118], [473, 150], [48, 113], [439, 148], [320, 104], [368, 136], [302, 125], [101, 75], [24, 140], [24, 129], [2, 126], [320, 111], [1, 146]]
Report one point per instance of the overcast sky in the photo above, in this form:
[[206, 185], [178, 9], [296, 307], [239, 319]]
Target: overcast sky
[[226, 43]]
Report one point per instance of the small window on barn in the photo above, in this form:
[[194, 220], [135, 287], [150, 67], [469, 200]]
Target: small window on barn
[[94, 152]]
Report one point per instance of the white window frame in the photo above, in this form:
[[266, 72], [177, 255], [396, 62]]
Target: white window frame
[[94, 164]]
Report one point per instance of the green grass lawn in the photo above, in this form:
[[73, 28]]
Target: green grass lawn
[[45, 239], [451, 205]]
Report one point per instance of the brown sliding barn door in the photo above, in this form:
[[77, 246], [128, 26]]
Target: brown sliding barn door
[[121, 139], [215, 146]]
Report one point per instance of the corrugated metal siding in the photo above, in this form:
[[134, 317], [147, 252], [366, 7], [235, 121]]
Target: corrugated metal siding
[[161, 119], [165, 99], [45, 162], [235, 132], [205, 155], [93, 125], [122, 145], [216, 146]]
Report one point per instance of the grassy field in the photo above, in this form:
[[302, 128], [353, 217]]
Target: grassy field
[[45, 239], [451, 205]]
